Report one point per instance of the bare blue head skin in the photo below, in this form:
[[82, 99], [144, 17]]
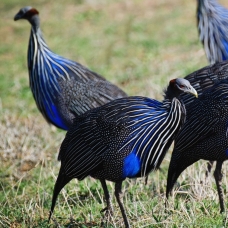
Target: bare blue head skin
[[184, 86], [178, 86], [30, 14]]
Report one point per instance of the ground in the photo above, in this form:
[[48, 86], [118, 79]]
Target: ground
[[138, 45]]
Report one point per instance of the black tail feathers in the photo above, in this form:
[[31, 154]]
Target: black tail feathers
[[61, 181]]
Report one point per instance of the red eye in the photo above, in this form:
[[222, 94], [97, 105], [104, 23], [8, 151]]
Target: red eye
[[182, 86]]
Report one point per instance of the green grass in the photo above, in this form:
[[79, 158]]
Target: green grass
[[138, 45]]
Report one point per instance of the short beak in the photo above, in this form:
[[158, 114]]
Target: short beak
[[17, 16], [193, 92]]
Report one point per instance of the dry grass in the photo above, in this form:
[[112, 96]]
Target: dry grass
[[138, 45]]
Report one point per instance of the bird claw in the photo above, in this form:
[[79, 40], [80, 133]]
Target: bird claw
[[108, 211], [104, 209]]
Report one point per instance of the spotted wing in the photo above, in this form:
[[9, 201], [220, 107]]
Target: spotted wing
[[203, 117]]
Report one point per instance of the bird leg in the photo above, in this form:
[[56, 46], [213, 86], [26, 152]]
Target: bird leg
[[218, 179], [109, 209], [209, 166], [146, 180], [119, 196]]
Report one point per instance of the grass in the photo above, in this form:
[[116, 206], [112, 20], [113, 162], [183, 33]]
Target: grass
[[138, 45]]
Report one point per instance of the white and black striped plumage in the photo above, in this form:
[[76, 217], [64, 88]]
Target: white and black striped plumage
[[212, 23], [203, 136], [127, 137], [61, 87]]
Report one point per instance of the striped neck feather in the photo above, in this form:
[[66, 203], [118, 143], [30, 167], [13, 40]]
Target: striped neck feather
[[152, 137], [45, 71], [213, 30]]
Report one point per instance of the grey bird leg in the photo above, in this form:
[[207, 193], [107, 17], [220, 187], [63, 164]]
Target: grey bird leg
[[109, 209], [218, 179], [209, 166], [119, 196]]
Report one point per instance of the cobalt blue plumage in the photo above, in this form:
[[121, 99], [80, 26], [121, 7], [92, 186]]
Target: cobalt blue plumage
[[62, 88], [213, 29], [203, 136], [126, 138]]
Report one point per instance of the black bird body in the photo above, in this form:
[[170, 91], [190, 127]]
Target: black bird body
[[212, 21], [203, 136], [204, 79], [126, 131], [62, 88], [126, 138]]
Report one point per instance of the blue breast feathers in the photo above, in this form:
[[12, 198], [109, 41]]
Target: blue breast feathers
[[131, 165], [224, 54], [54, 116]]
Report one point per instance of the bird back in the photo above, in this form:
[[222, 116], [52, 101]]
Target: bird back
[[204, 79], [63, 88], [206, 117]]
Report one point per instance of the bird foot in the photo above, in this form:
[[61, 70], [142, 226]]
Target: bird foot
[[108, 211]]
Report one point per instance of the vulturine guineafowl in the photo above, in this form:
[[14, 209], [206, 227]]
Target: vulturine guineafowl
[[204, 79], [61, 87], [126, 138], [213, 29], [203, 136]]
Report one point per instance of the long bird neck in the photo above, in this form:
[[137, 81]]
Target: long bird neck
[[203, 3], [212, 27], [45, 69], [172, 92], [36, 36], [153, 152], [206, 5], [35, 22]]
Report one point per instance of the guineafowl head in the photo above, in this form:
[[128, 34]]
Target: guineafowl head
[[28, 13], [178, 86]]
